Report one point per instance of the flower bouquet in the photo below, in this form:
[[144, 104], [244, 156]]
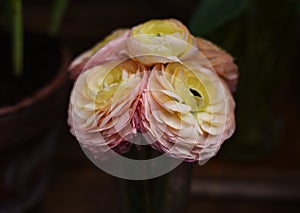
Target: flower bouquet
[[152, 87]]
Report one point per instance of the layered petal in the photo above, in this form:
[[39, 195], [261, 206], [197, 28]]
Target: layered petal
[[159, 41], [188, 113], [222, 62], [103, 103]]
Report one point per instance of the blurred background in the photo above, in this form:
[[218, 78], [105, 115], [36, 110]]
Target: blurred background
[[258, 170]]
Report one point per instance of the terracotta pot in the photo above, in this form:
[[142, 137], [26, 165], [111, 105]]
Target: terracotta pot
[[27, 138]]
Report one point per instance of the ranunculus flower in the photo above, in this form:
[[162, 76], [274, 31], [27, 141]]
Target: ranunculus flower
[[188, 113], [159, 41], [103, 103], [158, 79]]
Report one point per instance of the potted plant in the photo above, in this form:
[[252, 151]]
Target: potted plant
[[31, 89]]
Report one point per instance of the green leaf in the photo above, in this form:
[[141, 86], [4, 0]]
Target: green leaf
[[211, 14], [17, 35], [59, 8]]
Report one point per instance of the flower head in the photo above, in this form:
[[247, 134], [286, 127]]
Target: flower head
[[159, 41], [103, 103], [187, 112]]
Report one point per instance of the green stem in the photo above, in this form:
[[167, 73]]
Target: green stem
[[58, 11], [17, 45]]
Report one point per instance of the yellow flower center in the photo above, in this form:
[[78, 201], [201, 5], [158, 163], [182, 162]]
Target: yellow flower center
[[188, 87], [106, 87]]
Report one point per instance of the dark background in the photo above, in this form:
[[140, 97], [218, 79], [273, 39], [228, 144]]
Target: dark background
[[268, 183]]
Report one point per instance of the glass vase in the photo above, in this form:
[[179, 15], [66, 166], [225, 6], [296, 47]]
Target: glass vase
[[168, 193]]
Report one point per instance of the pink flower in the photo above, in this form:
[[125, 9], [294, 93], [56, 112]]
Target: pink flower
[[103, 103], [158, 79], [187, 113]]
